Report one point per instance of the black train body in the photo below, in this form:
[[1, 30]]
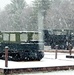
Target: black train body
[[62, 38]]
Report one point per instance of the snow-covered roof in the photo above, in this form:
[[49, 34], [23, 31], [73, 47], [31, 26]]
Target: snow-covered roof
[[20, 31]]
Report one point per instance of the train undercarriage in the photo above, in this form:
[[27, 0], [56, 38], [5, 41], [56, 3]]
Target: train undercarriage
[[23, 56]]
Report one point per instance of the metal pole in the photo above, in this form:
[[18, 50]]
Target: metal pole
[[70, 48], [56, 51], [6, 56]]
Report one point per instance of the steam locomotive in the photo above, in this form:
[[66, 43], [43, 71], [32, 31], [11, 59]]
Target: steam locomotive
[[62, 38], [22, 45]]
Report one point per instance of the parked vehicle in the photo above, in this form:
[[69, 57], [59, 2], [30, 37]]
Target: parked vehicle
[[22, 45], [62, 38]]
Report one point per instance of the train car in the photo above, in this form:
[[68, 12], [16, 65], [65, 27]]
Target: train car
[[62, 38], [22, 45]]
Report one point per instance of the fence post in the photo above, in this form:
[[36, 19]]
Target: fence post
[[56, 51], [70, 48], [6, 56]]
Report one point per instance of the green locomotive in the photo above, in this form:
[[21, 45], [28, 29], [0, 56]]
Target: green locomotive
[[23, 45]]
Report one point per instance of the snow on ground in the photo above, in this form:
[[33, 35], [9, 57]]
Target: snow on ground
[[50, 58], [59, 56], [47, 61]]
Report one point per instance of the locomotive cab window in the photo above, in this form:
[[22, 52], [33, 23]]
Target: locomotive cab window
[[12, 37], [5, 37], [23, 37], [35, 37]]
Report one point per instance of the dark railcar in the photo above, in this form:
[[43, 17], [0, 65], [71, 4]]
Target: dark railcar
[[62, 38]]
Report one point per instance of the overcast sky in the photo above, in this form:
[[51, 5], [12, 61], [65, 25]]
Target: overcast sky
[[3, 3]]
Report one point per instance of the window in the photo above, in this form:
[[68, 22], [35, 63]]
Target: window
[[35, 37], [6, 37], [12, 37], [23, 37]]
